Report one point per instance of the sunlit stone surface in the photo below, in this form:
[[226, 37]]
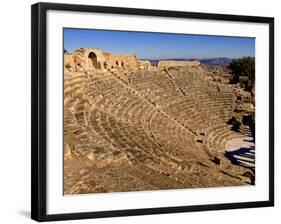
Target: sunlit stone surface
[[131, 126]]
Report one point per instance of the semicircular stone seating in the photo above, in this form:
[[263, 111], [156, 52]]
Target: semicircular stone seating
[[134, 130]]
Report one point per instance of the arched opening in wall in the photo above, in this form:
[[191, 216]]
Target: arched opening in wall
[[116, 63], [122, 64], [99, 65], [94, 60], [105, 65]]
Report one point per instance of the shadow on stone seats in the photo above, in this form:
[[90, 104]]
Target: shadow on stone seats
[[238, 152]]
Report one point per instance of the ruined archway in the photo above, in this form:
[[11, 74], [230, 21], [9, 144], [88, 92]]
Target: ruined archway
[[94, 60]]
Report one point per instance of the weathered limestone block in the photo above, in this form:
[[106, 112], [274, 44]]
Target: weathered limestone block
[[91, 156], [144, 64], [67, 152]]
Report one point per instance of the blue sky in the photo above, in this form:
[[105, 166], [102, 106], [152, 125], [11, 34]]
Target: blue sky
[[159, 45]]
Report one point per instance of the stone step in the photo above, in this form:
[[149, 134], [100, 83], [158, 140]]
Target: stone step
[[248, 164], [241, 157]]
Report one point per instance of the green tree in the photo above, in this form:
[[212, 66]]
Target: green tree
[[242, 67]]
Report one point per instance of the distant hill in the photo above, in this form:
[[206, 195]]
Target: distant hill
[[224, 62]]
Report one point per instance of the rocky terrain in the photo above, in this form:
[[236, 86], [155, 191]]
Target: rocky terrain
[[144, 127]]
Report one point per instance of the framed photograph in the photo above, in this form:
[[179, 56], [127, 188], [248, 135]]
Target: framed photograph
[[140, 111]]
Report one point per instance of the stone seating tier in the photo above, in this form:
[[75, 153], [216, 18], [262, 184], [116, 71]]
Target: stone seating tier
[[151, 118]]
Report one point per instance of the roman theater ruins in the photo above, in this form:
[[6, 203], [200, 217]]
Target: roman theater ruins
[[131, 126]]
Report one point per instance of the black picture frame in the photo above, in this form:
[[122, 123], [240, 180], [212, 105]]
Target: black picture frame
[[38, 108]]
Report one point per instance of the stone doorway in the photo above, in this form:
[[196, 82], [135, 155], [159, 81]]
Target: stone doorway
[[93, 60]]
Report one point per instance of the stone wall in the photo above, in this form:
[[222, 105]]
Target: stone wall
[[166, 64], [86, 59], [121, 60], [144, 64]]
